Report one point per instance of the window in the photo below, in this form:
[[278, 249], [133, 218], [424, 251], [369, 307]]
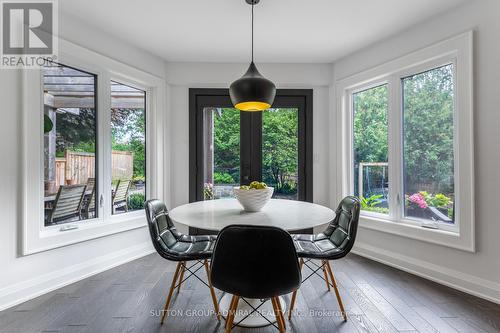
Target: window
[[89, 123], [128, 148], [234, 148], [428, 153], [69, 158], [406, 144], [370, 134]]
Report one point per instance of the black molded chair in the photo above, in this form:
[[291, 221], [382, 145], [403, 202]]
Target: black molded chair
[[255, 262], [333, 243], [174, 246]]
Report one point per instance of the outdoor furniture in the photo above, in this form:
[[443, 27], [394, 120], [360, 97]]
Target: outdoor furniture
[[89, 202], [67, 204], [174, 246], [120, 195], [258, 262], [333, 243], [214, 215]]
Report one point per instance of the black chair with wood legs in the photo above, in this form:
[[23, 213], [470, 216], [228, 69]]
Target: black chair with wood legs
[[333, 243], [174, 246], [256, 262]]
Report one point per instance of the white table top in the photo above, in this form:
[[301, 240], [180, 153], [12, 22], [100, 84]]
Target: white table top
[[286, 214]]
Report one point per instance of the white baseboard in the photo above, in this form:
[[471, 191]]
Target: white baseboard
[[29, 289], [467, 283]]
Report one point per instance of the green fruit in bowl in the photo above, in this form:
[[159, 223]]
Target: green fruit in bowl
[[254, 184], [257, 185], [244, 187]]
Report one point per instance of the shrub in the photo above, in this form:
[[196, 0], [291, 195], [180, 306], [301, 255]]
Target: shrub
[[136, 201], [223, 178], [371, 201], [287, 188]]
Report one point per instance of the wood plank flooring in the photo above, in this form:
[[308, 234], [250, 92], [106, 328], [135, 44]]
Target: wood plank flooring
[[378, 298]]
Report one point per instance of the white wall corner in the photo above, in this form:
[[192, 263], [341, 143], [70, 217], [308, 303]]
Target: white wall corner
[[467, 283]]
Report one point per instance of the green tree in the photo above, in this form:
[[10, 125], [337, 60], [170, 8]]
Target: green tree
[[227, 142], [370, 125], [280, 147], [428, 130], [128, 134]]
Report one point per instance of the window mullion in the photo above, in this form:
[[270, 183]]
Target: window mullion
[[395, 149], [104, 152]]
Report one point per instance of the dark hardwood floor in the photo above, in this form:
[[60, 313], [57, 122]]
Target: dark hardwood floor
[[378, 299]]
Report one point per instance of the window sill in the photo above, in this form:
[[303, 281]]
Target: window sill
[[441, 237], [52, 237]]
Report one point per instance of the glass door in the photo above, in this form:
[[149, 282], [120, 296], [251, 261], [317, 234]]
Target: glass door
[[230, 148]]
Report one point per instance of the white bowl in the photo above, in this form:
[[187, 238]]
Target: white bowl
[[253, 199]]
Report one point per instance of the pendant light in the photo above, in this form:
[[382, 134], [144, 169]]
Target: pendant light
[[252, 92]]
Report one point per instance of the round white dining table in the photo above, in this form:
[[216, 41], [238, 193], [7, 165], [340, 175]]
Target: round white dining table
[[214, 215]]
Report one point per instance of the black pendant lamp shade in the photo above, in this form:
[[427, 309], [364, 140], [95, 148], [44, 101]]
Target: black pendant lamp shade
[[252, 92]]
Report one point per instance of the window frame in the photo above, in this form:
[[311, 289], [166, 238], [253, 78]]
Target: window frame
[[41, 238], [458, 51]]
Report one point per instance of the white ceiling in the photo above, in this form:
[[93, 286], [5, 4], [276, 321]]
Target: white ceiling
[[286, 31]]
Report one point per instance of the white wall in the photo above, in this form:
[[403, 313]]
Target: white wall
[[182, 76], [25, 277], [479, 272]]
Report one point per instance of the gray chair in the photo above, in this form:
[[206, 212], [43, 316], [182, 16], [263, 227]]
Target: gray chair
[[333, 243], [68, 203], [183, 249], [120, 195]]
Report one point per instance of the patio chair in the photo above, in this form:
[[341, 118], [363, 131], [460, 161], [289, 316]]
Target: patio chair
[[120, 195], [68, 203], [89, 201]]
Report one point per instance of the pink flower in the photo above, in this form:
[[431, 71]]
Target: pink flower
[[418, 199]]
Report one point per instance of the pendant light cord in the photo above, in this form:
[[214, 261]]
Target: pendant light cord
[[252, 31]]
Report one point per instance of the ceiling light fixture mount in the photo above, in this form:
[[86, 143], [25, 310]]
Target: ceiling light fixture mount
[[252, 92]]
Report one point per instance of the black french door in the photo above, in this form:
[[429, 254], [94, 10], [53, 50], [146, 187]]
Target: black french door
[[228, 147]]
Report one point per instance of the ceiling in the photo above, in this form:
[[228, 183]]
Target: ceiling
[[286, 31]]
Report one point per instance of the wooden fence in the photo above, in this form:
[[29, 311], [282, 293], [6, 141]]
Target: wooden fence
[[77, 167]]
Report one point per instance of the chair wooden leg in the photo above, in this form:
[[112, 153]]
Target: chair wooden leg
[[336, 289], [231, 304], [169, 297], [183, 269], [323, 265], [294, 295], [278, 314], [282, 317], [231, 313], [212, 291]]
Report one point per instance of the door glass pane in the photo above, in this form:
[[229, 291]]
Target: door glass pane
[[221, 143], [70, 124], [428, 175], [128, 148], [371, 178], [280, 151]]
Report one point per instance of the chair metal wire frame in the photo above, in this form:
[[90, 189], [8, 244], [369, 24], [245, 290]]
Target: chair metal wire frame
[[179, 278], [327, 271]]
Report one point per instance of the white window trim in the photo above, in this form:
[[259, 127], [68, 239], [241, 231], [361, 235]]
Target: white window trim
[[457, 50], [35, 236]]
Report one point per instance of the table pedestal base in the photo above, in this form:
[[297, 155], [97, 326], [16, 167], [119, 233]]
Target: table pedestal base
[[256, 318]]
